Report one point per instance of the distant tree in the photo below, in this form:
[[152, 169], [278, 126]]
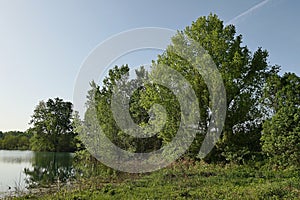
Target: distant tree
[[52, 126], [14, 140], [281, 133], [10, 142], [23, 143]]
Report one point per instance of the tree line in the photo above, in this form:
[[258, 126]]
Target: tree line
[[262, 111], [14, 140]]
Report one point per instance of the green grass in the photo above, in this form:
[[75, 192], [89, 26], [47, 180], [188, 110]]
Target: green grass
[[187, 181]]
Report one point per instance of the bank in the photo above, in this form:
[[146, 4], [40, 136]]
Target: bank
[[196, 180]]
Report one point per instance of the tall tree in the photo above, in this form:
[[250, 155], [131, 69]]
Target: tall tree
[[244, 75], [52, 126], [281, 132]]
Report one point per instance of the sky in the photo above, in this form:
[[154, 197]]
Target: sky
[[44, 43]]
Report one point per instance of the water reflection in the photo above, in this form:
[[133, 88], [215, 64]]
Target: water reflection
[[49, 167], [22, 169], [15, 156], [12, 164]]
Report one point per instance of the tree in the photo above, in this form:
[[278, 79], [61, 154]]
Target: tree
[[99, 102], [52, 126], [244, 75], [14, 140], [281, 132]]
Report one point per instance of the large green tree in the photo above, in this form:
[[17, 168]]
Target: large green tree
[[244, 75], [52, 126], [281, 132]]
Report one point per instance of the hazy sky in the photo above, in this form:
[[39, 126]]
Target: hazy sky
[[43, 43]]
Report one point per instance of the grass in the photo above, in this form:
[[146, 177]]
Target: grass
[[186, 181]]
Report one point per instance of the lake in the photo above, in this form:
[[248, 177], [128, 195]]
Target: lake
[[22, 169]]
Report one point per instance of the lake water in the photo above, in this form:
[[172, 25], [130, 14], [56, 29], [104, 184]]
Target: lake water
[[21, 169]]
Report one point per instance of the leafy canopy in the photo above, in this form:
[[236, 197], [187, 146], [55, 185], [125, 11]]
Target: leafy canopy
[[281, 133], [52, 126]]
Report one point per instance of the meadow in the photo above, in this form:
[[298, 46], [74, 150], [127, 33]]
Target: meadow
[[185, 180]]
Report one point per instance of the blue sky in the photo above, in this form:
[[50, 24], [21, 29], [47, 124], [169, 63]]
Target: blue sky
[[43, 43]]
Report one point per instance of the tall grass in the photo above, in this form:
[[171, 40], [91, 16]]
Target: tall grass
[[188, 179]]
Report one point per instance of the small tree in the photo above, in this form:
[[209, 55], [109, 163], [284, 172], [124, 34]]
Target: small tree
[[281, 133], [52, 126]]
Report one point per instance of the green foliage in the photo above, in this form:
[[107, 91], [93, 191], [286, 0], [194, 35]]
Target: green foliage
[[191, 180], [14, 140], [87, 166], [99, 104], [247, 78], [281, 133], [52, 127], [244, 76], [49, 168]]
